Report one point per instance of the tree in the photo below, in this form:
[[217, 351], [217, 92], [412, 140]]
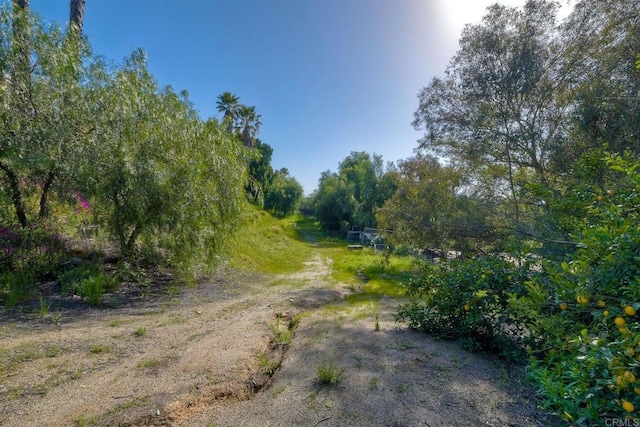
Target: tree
[[362, 171], [260, 173], [229, 104], [248, 124], [284, 194], [41, 109], [363, 185], [430, 210], [158, 175], [600, 41], [74, 44], [334, 202], [498, 103]]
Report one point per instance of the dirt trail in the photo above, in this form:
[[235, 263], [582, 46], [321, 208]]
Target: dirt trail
[[198, 358]]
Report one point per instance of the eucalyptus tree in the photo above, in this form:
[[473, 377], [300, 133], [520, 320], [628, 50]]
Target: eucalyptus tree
[[601, 41], [363, 172], [334, 202], [497, 107], [349, 197]]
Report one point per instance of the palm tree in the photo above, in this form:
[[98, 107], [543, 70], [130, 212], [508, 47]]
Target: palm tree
[[248, 123], [228, 104], [76, 14]]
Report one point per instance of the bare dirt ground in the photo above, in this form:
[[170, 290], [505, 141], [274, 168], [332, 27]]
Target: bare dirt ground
[[219, 354]]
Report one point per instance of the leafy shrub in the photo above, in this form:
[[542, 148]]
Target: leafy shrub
[[30, 249], [26, 255], [470, 300], [88, 281], [17, 287], [575, 316], [587, 360]]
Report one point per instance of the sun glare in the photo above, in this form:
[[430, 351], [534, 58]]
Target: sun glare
[[455, 14]]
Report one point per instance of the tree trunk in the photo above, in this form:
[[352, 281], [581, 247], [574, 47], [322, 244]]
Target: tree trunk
[[20, 84], [44, 206], [16, 196], [76, 14]]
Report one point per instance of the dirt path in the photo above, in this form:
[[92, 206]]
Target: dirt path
[[200, 359]]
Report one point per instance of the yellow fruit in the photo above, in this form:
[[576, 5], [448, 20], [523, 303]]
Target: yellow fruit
[[623, 330], [605, 313], [620, 321], [600, 198], [467, 307], [563, 306], [628, 406], [638, 358], [612, 192], [602, 304], [629, 311], [631, 351], [636, 390], [581, 299], [629, 377]]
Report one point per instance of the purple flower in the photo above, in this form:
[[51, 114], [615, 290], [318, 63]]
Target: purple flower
[[82, 202]]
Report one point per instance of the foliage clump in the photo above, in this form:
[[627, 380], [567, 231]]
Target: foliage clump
[[147, 172], [575, 318]]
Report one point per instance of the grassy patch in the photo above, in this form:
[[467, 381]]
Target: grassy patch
[[150, 363], [99, 349], [269, 367], [278, 390], [266, 244], [282, 332], [328, 373], [350, 266], [140, 332]]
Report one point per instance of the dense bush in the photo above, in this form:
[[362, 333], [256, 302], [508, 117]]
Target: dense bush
[[26, 255], [472, 300], [587, 360], [157, 177], [576, 317]]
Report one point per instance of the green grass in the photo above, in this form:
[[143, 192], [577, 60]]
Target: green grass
[[150, 363], [140, 332], [270, 245], [99, 349], [328, 373], [350, 265], [266, 244]]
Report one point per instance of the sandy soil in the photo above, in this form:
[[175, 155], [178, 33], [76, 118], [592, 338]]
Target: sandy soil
[[219, 354]]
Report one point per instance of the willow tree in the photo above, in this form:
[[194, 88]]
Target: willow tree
[[160, 177], [41, 106]]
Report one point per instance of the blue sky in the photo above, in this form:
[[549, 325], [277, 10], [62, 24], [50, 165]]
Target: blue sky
[[328, 76]]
